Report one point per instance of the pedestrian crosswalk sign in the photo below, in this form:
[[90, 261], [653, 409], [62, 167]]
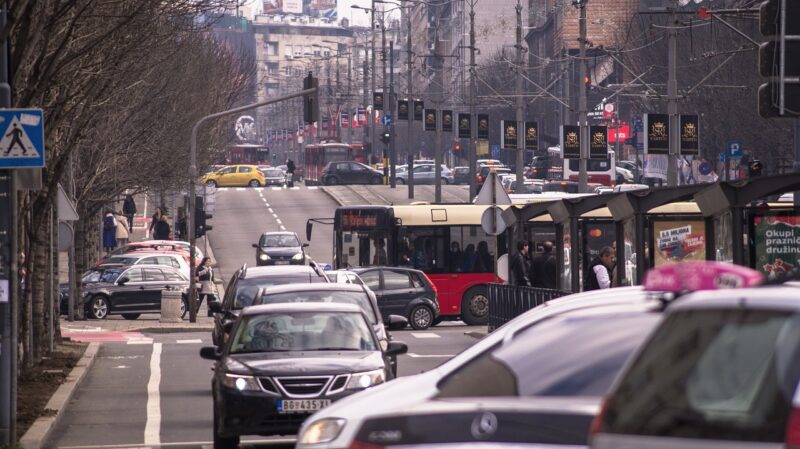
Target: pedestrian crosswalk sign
[[22, 138]]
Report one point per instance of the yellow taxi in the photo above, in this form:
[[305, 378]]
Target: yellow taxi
[[235, 176]]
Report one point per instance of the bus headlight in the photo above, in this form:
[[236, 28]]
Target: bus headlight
[[360, 381], [323, 431]]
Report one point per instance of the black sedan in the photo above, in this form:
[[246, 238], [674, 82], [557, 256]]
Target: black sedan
[[286, 361], [280, 248], [133, 290], [350, 172]]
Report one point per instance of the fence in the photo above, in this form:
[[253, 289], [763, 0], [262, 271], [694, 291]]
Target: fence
[[507, 302]]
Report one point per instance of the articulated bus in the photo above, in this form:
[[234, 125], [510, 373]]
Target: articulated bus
[[317, 156], [445, 241], [552, 166]]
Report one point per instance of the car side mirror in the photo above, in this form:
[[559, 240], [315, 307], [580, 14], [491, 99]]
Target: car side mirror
[[210, 352], [227, 326], [396, 322], [215, 306], [396, 348], [123, 280], [255, 245], [305, 245]]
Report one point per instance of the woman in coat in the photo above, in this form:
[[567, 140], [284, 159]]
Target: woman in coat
[[109, 232], [122, 230], [206, 277]]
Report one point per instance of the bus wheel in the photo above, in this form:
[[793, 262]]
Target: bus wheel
[[475, 306]]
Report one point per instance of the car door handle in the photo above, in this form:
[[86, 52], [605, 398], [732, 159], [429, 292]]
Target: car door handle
[[141, 287]]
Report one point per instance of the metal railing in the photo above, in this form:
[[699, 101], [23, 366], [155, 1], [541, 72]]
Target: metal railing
[[507, 302]]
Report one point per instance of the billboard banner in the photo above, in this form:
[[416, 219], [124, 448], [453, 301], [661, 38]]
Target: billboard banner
[[464, 126], [419, 109], [377, 101], [571, 141], [656, 140], [532, 136], [598, 142], [690, 135], [483, 126], [402, 109], [508, 136], [777, 243], [447, 121], [430, 119], [678, 241], [323, 9]]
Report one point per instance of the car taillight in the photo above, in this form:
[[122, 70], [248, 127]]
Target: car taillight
[[362, 445], [480, 178], [433, 286], [793, 429], [597, 423]]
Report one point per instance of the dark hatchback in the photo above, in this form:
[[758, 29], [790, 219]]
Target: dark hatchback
[[245, 284], [350, 172], [131, 290], [403, 291], [461, 175], [280, 248], [286, 361]]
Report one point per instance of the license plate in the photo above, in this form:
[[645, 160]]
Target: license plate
[[281, 262], [302, 405]]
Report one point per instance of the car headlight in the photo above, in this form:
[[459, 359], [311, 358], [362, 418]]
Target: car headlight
[[241, 382], [298, 256], [323, 431], [360, 381], [263, 256]]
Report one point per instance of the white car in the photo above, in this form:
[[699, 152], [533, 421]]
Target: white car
[[336, 426], [142, 258]]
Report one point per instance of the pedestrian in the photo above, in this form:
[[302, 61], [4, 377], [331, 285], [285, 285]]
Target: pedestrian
[[154, 221], [129, 209], [519, 265], [205, 275], [454, 258], [162, 229], [122, 229], [290, 168], [597, 274], [109, 232], [180, 226], [483, 259], [380, 258], [544, 267]]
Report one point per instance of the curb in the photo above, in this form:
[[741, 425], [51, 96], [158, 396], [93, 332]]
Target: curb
[[38, 433], [174, 329], [330, 194]]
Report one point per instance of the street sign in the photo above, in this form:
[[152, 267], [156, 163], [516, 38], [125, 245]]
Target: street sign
[[490, 225], [22, 139], [735, 149], [492, 193], [386, 120]]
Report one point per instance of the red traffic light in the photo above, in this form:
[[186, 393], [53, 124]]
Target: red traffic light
[[457, 147]]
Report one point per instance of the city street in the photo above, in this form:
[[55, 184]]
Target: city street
[[153, 389]]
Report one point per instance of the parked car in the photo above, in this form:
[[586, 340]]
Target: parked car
[[235, 176], [425, 174], [245, 284], [461, 175], [132, 290], [155, 245], [273, 176], [344, 277], [337, 426], [624, 175], [722, 370], [285, 361], [280, 248], [483, 171], [350, 172], [403, 291], [495, 162], [171, 259], [92, 276]]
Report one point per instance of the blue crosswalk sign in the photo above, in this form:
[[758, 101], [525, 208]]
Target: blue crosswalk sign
[[22, 138]]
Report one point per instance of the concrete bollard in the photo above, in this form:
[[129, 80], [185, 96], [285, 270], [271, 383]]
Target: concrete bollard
[[171, 304]]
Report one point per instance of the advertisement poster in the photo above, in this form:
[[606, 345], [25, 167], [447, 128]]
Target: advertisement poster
[[678, 241], [777, 244]]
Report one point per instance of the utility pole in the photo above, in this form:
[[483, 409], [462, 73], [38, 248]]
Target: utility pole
[[582, 113], [672, 105], [520, 161], [365, 68], [392, 146], [473, 150], [371, 113], [386, 101], [410, 89], [347, 106], [437, 143]]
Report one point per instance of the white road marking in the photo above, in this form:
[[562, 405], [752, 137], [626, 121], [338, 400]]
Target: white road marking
[[276, 188], [275, 215], [283, 228], [152, 427], [189, 342], [222, 189], [278, 220], [240, 189], [424, 335], [140, 341], [295, 188], [203, 444], [425, 356], [270, 210], [267, 204], [312, 188]]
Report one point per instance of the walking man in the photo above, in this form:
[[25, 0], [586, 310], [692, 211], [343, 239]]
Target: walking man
[[290, 168], [544, 267], [598, 274], [16, 135], [519, 265], [129, 209]]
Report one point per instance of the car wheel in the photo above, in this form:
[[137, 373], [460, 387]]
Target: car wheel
[[221, 442], [254, 183], [211, 183], [400, 180], [98, 307], [131, 316], [376, 180], [184, 308], [475, 306], [421, 317], [331, 181]]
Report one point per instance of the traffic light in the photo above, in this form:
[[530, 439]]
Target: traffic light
[[386, 137], [310, 106], [779, 59], [200, 217], [457, 148]]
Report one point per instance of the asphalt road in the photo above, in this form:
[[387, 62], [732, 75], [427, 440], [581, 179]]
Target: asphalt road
[[153, 390]]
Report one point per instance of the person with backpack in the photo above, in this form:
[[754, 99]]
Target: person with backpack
[[109, 232]]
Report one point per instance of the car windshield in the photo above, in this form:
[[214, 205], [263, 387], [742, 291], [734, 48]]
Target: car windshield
[[110, 275], [360, 299], [282, 241], [247, 289], [302, 331], [274, 173]]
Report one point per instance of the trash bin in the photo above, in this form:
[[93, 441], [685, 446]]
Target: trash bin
[[172, 306]]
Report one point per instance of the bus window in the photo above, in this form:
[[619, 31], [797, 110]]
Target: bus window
[[477, 250], [424, 248], [364, 249]]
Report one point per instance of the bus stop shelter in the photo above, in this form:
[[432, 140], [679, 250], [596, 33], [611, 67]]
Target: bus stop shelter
[[731, 200]]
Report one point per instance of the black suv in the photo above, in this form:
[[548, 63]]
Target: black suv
[[350, 172], [403, 291], [245, 285], [280, 248]]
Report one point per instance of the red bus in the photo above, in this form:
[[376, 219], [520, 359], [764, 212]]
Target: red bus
[[316, 156], [444, 241], [246, 153]]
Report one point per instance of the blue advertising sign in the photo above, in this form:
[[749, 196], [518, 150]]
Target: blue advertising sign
[[22, 138]]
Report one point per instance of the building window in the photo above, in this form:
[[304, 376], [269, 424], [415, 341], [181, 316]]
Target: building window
[[327, 53], [272, 89], [287, 71], [287, 50], [272, 48], [272, 68]]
